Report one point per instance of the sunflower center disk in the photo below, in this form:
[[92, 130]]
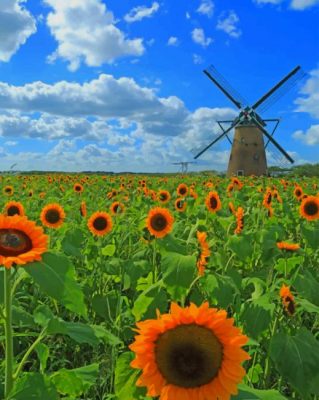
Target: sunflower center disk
[[188, 355], [158, 222], [14, 242], [311, 208], [52, 216], [13, 210], [213, 202], [100, 223]]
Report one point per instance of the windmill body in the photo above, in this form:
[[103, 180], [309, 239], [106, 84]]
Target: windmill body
[[248, 155]]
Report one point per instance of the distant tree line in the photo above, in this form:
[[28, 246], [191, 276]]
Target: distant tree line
[[297, 170]]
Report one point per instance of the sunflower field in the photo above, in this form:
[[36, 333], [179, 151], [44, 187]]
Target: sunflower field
[[131, 287]]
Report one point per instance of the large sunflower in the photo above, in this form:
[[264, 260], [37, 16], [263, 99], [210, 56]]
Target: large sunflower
[[191, 353], [100, 223], [159, 222], [213, 202], [21, 241], [14, 208], [52, 215], [309, 208]]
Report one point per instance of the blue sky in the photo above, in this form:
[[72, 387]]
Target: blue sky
[[118, 85]]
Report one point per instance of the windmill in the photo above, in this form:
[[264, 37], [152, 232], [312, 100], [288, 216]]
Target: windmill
[[248, 155], [184, 165]]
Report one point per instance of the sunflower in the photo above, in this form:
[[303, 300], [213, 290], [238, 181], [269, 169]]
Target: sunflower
[[204, 252], [83, 211], [100, 223], [182, 190], [159, 222], [8, 190], [78, 188], [117, 208], [213, 202], [288, 246], [309, 208], [267, 198], [180, 204], [191, 353], [298, 192], [14, 208], [52, 215], [240, 220], [21, 241], [163, 196], [287, 299]]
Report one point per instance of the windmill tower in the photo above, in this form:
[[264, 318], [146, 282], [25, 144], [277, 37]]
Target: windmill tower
[[184, 165], [248, 155]]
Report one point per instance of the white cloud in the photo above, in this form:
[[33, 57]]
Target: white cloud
[[303, 4], [129, 125], [86, 32], [310, 137], [310, 102], [294, 4], [173, 41], [198, 36], [16, 25], [11, 143], [187, 15], [229, 23], [206, 7], [197, 59], [141, 12]]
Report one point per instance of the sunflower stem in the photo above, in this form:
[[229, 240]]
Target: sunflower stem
[[28, 352], [8, 333]]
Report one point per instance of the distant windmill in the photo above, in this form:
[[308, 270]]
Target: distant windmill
[[184, 165], [248, 156]]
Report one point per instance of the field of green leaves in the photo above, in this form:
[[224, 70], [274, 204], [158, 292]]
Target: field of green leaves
[[169, 250]]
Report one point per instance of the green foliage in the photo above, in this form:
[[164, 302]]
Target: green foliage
[[296, 359], [55, 276]]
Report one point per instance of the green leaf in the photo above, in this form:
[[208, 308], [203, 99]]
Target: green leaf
[[43, 352], [179, 273], [297, 359], [1, 285], [307, 306], [149, 300], [55, 276], [75, 382], [72, 243], [220, 289], [257, 316], [108, 250], [105, 305], [33, 386], [241, 245], [21, 318], [125, 378], [311, 236], [286, 266], [247, 393], [308, 287]]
